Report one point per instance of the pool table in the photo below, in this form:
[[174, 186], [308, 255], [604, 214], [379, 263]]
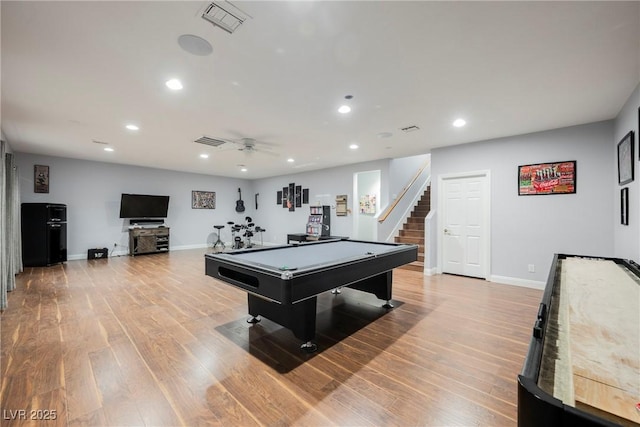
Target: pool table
[[282, 282]]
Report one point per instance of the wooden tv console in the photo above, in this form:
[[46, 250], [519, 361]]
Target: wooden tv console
[[148, 240]]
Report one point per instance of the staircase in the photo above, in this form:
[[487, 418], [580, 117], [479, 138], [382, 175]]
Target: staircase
[[413, 230]]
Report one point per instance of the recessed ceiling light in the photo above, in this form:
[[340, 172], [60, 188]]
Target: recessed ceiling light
[[174, 84], [204, 156], [290, 160], [344, 109], [108, 149], [354, 146], [459, 123], [243, 169], [132, 127]]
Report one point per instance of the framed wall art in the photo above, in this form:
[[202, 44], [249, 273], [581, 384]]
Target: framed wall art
[[625, 159], [40, 179], [203, 200], [292, 196], [547, 178], [624, 206]]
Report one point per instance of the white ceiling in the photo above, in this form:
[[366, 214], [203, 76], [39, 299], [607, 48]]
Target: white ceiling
[[74, 72]]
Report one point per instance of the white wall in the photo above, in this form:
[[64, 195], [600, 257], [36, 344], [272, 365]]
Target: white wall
[[530, 229], [627, 238], [324, 185], [402, 171], [91, 191], [366, 225]]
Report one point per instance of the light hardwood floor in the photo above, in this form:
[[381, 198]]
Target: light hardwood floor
[[152, 340]]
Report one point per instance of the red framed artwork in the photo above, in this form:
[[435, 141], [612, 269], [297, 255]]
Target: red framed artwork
[[547, 178]]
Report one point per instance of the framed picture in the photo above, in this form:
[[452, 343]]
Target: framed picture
[[624, 206], [298, 196], [625, 159], [279, 197], [285, 196], [547, 178], [291, 201], [305, 196], [203, 200], [40, 179]]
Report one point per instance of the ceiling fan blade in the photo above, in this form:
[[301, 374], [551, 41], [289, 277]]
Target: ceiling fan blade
[[268, 153]]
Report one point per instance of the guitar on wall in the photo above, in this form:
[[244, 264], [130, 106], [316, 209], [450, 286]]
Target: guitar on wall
[[239, 202]]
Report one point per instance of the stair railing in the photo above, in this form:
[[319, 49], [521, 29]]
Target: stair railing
[[415, 187]]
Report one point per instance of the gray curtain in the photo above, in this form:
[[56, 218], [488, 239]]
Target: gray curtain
[[10, 236]]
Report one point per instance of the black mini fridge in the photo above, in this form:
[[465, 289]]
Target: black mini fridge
[[44, 234]]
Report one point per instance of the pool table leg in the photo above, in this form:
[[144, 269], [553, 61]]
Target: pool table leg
[[380, 286], [299, 318]]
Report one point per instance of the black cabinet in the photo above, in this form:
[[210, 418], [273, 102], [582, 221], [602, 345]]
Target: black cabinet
[[44, 234]]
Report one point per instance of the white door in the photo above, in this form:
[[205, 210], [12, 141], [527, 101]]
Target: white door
[[464, 225]]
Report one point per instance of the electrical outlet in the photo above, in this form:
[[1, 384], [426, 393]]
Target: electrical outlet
[[532, 268]]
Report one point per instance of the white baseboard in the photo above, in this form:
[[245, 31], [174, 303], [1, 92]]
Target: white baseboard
[[430, 271], [187, 247], [534, 284], [125, 251]]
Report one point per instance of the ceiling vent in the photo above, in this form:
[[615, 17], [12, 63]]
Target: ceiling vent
[[225, 15], [95, 141], [408, 129], [210, 141]]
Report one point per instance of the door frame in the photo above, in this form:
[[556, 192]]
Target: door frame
[[486, 247]]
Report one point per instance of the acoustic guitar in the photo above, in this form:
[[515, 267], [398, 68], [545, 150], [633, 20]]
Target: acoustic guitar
[[239, 202]]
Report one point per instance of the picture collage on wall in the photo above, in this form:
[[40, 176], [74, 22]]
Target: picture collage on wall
[[293, 196]]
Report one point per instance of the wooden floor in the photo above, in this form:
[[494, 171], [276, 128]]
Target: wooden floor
[[152, 340]]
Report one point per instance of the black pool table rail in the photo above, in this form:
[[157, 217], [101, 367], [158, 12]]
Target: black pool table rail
[[244, 257], [291, 286]]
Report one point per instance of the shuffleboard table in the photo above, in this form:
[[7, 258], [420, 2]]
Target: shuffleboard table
[[282, 282], [583, 363]]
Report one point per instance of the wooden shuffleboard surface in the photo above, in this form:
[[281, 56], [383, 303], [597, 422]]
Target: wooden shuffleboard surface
[[603, 301]]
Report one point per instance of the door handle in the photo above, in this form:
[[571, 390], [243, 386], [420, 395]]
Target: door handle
[[446, 231]]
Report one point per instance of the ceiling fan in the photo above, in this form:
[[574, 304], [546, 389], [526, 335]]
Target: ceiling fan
[[246, 145]]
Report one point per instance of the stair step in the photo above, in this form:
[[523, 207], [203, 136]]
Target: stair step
[[408, 232], [413, 226], [413, 230], [410, 239], [414, 220], [419, 208]]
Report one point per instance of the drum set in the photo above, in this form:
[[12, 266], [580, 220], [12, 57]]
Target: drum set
[[241, 234]]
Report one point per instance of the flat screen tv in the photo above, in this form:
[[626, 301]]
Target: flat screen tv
[[143, 206]]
